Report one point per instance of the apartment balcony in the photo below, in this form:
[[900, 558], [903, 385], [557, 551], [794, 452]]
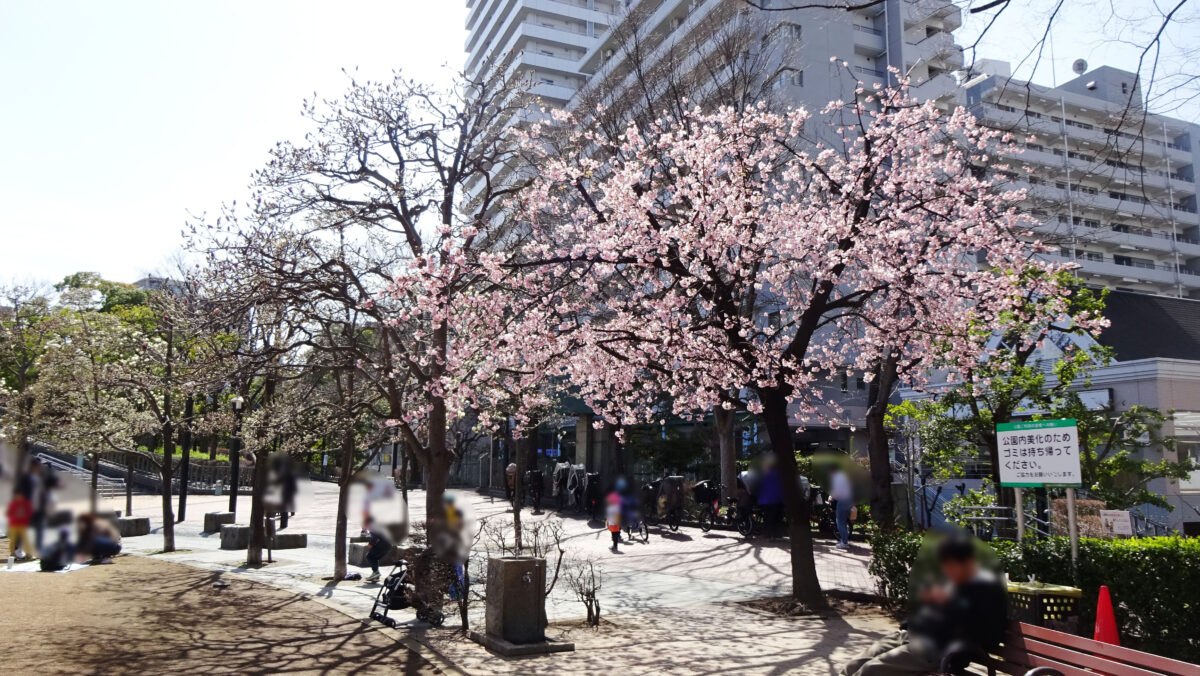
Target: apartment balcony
[[938, 49], [521, 11], [868, 41], [936, 88], [916, 12], [556, 92], [1154, 273]]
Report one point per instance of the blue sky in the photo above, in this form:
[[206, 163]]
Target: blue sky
[[119, 117]]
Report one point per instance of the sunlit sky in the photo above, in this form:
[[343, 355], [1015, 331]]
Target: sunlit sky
[[118, 118]]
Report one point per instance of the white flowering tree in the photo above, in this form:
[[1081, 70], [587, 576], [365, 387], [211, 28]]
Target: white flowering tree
[[723, 253]]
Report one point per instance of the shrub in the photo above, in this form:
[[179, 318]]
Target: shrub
[[1155, 582]]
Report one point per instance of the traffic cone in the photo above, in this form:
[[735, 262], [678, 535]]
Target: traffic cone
[[1106, 622]]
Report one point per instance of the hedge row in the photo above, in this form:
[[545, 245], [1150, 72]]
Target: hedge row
[[1155, 582]]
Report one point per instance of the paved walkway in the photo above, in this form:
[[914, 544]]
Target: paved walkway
[[666, 603]]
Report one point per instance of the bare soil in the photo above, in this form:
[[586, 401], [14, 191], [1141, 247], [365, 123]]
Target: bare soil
[[147, 616], [841, 604]]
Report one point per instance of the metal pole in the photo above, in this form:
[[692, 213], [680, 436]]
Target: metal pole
[[1072, 525], [1018, 494]]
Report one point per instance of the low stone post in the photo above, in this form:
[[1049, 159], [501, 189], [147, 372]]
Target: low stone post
[[516, 608]]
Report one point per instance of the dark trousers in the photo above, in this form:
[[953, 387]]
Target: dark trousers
[[616, 535], [104, 548], [374, 554], [39, 527]]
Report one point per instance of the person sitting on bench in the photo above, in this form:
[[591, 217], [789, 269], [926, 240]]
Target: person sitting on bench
[[378, 546], [957, 619]]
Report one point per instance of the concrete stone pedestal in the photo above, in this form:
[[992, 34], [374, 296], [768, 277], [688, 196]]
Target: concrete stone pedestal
[[357, 556], [289, 541], [132, 526], [214, 520], [516, 608], [235, 537]]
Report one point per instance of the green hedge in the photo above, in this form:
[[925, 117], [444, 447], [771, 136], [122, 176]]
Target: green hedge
[[1155, 582]]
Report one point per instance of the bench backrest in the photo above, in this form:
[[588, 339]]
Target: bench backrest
[[1030, 646]]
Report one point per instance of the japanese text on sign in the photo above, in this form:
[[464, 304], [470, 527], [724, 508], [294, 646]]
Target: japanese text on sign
[[1045, 452]]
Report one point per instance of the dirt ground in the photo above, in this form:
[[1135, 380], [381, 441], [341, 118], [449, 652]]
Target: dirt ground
[[146, 616]]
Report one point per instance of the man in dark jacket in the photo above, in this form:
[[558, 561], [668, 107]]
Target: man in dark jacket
[[378, 546], [962, 616]]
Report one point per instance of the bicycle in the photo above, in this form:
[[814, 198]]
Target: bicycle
[[635, 524]]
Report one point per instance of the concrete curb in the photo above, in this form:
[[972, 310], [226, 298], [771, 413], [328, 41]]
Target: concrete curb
[[424, 650]]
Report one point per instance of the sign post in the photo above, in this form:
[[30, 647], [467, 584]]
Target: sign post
[[1041, 453]]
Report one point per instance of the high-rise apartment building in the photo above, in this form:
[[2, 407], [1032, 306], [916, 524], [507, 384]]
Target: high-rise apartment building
[[1112, 186], [568, 45]]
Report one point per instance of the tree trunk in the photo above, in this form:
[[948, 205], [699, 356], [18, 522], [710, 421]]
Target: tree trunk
[[168, 515], [806, 588], [185, 441], [723, 422], [517, 497], [258, 490], [128, 484], [883, 508], [340, 528], [436, 472]]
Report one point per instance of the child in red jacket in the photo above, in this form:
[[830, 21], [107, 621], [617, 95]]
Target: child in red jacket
[[20, 513]]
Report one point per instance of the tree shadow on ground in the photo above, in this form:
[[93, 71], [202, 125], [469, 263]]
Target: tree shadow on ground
[[166, 618]]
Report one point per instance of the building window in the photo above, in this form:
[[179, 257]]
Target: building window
[[1124, 87], [845, 383], [859, 383], [797, 78]]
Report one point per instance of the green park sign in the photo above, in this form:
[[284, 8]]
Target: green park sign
[[1039, 453]]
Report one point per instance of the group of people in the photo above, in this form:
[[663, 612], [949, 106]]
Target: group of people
[[28, 515], [29, 509]]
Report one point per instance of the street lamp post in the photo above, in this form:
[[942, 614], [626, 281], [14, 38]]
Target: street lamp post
[[235, 452]]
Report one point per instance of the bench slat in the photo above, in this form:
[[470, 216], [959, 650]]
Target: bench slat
[[1113, 652], [1079, 659]]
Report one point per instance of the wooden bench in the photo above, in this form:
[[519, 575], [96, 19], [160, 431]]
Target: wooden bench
[[1031, 649]]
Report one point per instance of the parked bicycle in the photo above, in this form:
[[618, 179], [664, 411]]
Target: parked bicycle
[[635, 525], [663, 500], [708, 496]]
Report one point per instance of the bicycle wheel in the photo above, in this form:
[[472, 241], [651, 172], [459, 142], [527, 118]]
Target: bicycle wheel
[[706, 519], [745, 525], [674, 519], [644, 530]]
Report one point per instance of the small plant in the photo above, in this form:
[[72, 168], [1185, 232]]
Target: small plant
[[585, 579]]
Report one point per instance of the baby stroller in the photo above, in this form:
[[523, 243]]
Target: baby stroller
[[398, 592]]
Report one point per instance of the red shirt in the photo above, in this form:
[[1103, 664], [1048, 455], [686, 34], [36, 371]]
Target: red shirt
[[20, 511]]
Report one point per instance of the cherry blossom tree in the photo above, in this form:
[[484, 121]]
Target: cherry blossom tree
[[723, 253], [393, 200]]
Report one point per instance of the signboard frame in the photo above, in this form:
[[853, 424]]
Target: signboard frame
[[1072, 446]]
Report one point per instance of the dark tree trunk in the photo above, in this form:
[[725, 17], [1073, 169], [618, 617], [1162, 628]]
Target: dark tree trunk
[[806, 588], [185, 442], [95, 479], [883, 508], [128, 484], [522, 445], [723, 423], [258, 511], [258, 489], [168, 515], [436, 472], [340, 528]]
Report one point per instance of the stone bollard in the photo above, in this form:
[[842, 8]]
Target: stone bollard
[[132, 526], [516, 608], [289, 541], [234, 536], [214, 520]]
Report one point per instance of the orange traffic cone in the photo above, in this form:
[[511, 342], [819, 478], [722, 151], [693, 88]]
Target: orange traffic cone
[[1106, 622]]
